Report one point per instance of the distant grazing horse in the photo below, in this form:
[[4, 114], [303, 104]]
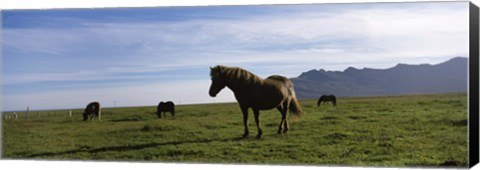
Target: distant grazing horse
[[92, 111], [254, 92], [327, 98], [164, 107]]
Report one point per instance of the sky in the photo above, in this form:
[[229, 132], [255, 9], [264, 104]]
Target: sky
[[66, 58]]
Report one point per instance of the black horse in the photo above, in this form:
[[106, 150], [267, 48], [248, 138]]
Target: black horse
[[93, 111], [164, 107], [327, 98]]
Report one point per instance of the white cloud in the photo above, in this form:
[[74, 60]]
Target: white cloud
[[401, 31]]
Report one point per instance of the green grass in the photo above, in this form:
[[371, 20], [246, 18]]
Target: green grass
[[416, 130]]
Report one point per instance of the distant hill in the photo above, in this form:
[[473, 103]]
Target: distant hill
[[449, 76]]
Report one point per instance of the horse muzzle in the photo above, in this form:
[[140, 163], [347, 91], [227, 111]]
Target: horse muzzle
[[212, 94], [214, 90]]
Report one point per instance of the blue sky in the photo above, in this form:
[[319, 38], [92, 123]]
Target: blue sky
[[58, 59]]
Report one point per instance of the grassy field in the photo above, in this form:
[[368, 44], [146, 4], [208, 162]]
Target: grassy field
[[416, 130]]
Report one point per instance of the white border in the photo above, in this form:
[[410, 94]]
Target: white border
[[72, 165], [50, 4]]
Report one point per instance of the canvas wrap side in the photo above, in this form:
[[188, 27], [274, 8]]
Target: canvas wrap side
[[474, 86]]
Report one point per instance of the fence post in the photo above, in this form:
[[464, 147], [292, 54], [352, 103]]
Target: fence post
[[38, 115], [15, 116], [26, 113]]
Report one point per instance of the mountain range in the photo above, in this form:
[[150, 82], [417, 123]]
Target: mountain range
[[449, 76]]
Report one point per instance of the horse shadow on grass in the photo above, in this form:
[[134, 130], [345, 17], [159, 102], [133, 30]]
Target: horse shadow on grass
[[129, 147]]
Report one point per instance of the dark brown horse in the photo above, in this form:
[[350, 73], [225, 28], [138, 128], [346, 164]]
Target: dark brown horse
[[164, 107], [327, 98], [254, 92], [93, 111]]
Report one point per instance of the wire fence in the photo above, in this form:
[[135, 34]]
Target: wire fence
[[40, 115]]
